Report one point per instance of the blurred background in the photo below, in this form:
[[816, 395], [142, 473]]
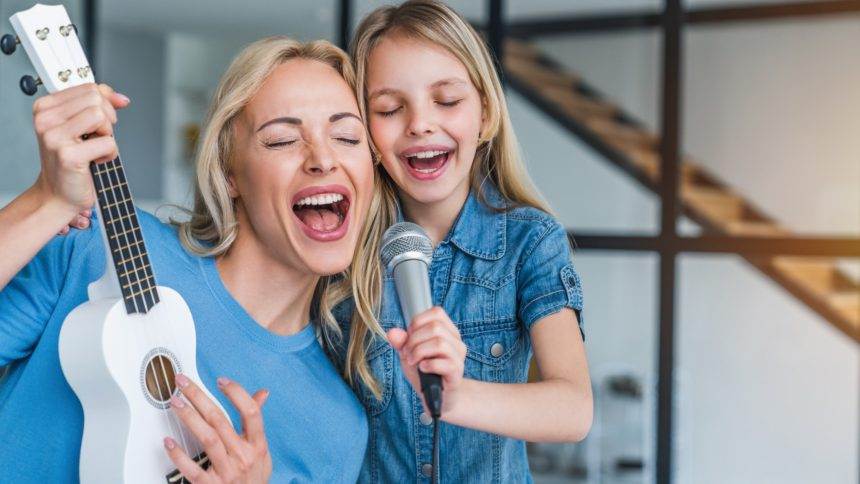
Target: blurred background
[[705, 156]]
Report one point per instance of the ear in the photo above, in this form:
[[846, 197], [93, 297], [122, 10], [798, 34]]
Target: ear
[[485, 122], [231, 186]]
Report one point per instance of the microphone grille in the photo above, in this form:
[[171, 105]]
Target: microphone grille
[[403, 241]]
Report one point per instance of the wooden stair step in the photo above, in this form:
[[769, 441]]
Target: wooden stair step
[[622, 134], [578, 106], [755, 228], [719, 205], [537, 75], [819, 275], [523, 50], [847, 303]]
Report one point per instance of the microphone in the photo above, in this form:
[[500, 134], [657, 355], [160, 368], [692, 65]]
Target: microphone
[[407, 251]]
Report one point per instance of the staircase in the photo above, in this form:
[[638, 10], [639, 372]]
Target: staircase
[[816, 281]]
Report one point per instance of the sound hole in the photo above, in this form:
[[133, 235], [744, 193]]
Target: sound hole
[[160, 378]]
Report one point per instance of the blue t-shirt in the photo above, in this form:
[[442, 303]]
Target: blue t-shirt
[[315, 426]]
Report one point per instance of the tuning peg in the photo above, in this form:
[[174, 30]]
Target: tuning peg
[[29, 85], [8, 43]]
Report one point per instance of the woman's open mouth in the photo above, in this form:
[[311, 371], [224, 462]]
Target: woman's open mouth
[[323, 212], [428, 164]]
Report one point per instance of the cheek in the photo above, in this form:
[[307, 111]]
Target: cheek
[[384, 132]]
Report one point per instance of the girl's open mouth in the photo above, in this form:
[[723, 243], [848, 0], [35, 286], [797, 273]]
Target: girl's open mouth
[[323, 213], [428, 164]]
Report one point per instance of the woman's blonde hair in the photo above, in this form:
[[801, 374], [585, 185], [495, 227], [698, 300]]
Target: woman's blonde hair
[[497, 159], [213, 225]]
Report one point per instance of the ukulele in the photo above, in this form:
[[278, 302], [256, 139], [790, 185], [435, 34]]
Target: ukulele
[[120, 350]]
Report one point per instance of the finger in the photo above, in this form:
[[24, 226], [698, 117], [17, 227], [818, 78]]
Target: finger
[[249, 410], [81, 222], [116, 99], [50, 118], [447, 368], [79, 155], [432, 348], [211, 413], [63, 231], [91, 121], [433, 314], [260, 397], [433, 329], [184, 464], [397, 338], [60, 97], [204, 433]]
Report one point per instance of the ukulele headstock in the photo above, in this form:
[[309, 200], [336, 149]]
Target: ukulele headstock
[[50, 40]]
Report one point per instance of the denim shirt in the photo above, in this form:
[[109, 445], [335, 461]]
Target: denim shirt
[[495, 274]]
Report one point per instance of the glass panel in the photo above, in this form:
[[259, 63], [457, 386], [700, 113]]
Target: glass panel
[[767, 390], [770, 122], [621, 342]]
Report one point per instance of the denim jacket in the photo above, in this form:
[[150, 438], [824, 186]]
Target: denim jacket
[[495, 274]]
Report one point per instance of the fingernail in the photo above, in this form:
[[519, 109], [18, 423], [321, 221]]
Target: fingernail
[[177, 402], [182, 380], [124, 98], [222, 382], [169, 443], [265, 397]]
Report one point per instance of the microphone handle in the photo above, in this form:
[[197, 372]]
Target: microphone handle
[[431, 387], [413, 290]]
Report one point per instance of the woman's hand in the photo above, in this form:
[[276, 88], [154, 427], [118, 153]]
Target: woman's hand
[[74, 127], [234, 458], [432, 343]]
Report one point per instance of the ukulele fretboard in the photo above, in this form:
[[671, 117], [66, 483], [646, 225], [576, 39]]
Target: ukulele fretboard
[[125, 239]]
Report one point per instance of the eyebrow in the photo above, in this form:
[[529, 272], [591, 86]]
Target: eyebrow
[[283, 120], [451, 81], [298, 122]]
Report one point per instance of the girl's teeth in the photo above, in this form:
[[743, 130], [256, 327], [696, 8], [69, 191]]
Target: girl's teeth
[[428, 154]]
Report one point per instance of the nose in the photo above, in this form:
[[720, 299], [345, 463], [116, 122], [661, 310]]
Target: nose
[[321, 160], [421, 123]]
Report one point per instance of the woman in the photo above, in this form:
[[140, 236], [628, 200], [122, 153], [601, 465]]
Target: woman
[[284, 180]]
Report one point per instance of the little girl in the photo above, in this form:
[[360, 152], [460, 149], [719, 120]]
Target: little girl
[[501, 273]]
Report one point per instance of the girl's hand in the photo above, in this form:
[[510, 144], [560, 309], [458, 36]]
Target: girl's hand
[[234, 458], [74, 127], [432, 343]]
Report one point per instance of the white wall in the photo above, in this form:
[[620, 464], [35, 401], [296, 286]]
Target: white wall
[[767, 391]]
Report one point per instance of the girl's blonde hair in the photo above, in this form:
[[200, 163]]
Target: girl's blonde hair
[[213, 225], [497, 159]]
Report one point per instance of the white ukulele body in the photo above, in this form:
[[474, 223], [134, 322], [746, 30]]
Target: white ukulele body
[[104, 353]]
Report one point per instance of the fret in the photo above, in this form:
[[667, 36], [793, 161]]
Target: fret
[[129, 246], [124, 232], [123, 184], [140, 292], [132, 271], [147, 278], [115, 204], [120, 219], [129, 259]]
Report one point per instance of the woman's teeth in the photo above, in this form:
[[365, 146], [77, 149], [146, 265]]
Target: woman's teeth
[[321, 199], [323, 212]]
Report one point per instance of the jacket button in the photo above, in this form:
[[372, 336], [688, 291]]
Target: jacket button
[[427, 470], [425, 418], [497, 349]]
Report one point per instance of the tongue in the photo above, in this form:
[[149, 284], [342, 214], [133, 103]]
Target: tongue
[[319, 219], [428, 163]]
